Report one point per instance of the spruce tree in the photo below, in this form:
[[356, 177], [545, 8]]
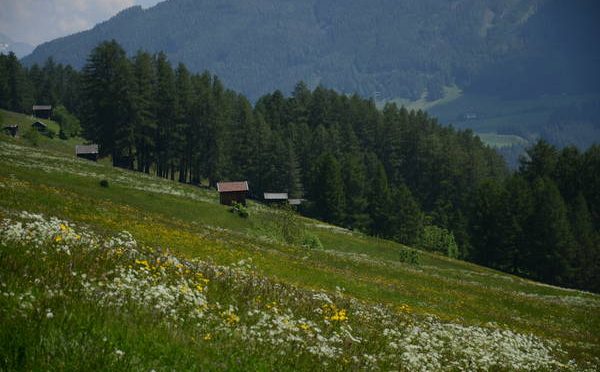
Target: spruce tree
[[108, 102], [327, 190], [549, 235], [406, 218], [145, 115]]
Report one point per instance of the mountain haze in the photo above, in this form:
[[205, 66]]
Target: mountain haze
[[382, 48], [19, 48]]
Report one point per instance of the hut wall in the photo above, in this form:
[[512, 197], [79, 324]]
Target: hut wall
[[227, 198]]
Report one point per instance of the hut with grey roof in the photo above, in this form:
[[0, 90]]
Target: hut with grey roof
[[42, 111], [275, 197], [89, 152]]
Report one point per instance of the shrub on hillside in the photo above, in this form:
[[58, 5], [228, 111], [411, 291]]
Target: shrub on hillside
[[239, 209], [437, 239], [410, 256], [312, 241]]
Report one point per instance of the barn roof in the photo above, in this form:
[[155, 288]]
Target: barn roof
[[295, 201], [14, 126], [42, 107], [38, 124], [276, 195], [232, 186], [86, 149]]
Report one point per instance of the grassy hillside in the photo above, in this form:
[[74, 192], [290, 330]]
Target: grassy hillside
[[190, 285], [24, 122]]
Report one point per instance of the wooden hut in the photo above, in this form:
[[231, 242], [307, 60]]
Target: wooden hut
[[275, 197], [230, 192], [11, 130], [42, 111], [40, 127], [89, 152], [295, 202]]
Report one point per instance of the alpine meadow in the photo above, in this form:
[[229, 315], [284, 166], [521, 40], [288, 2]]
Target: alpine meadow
[[154, 219]]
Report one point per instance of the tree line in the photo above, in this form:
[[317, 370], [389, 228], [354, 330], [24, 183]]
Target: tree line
[[390, 172]]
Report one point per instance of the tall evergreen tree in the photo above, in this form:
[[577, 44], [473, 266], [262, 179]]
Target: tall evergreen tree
[[550, 243], [165, 112], [145, 115], [406, 219], [108, 104], [327, 191], [378, 196]]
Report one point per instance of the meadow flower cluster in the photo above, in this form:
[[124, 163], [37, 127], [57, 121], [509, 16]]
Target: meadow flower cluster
[[235, 304]]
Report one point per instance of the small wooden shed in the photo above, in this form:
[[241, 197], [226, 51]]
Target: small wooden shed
[[275, 197], [42, 111], [295, 202], [40, 127], [11, 130], [230, 192], [89, 152]]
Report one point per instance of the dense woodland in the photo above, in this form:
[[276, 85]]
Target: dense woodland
[[393, 173]]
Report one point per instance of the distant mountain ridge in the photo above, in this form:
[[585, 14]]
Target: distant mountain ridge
[[378, 48], [20, 49]]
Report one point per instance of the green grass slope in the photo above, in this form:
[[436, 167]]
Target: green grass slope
[[24, 122], [192, 286]]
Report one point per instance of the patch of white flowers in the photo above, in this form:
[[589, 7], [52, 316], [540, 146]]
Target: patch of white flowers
[[178, 292]]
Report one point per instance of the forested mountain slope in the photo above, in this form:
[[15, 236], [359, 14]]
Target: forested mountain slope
[[378, 48]]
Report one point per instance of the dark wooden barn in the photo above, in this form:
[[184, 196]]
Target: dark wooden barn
[[275, 197], [230, 192], [42, 111], [11, 130], [40, 127], [89, 152]]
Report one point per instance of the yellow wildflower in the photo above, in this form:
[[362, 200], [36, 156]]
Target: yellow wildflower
[[57, 238], [143, 263], [304, 326], [404, 308], [231, 318], [331, 312], [207, 337]]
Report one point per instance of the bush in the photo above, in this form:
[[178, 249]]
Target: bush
[[437, 239], [410, 256], [239, 209], [312, 241], [104, 183]]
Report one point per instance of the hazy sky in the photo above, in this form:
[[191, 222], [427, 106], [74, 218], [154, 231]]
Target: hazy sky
[[36, 21]]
